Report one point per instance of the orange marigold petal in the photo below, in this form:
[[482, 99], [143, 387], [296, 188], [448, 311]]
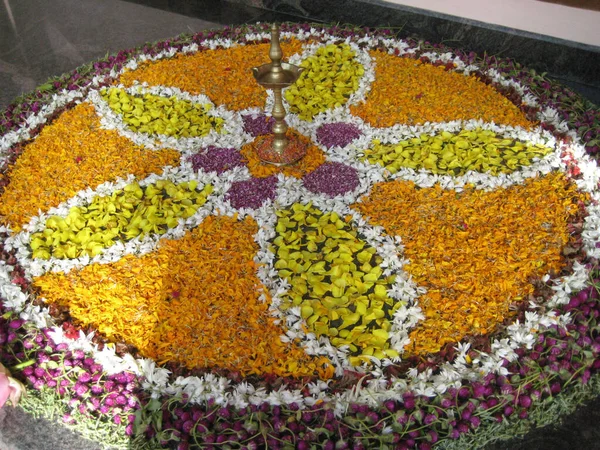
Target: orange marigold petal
[[205, 72], [408, 91], [474, 251]]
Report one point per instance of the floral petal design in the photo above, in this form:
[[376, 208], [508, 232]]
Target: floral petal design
[[205, 72], [193, 301], [336, 280], [206, 301], [71, 154], [474, 251], [456, 153], [252, 193], [216, 159], [330, 76], [411, 92], [258, 124], [332, 178], [132, 212], [153, 114], [337, 134]]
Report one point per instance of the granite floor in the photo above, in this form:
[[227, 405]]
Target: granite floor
[[40, 39]]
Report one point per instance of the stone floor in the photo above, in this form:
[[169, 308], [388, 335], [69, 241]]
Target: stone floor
[[38, 39]]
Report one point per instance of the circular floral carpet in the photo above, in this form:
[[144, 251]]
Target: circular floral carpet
[[423, 277]]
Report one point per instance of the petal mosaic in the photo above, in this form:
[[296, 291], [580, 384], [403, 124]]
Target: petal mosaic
[[172, 304], [153, 114], [218, 64], [456, 153], [132, 212], [336, 280], [476, 252], [411, 92], [329, 78], [434, 241]]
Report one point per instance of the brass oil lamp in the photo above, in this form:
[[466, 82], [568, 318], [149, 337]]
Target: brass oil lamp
[[277, 76]]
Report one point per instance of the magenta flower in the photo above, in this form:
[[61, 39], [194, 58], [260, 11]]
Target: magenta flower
[[332, 178], [85, 377], [337, 134]]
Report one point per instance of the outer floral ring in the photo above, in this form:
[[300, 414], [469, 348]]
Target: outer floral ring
[[411, 414]]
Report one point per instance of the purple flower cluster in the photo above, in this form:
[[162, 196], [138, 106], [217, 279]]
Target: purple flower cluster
[[215, 159], [252, 193], [258, 125], [337, 134], [77, 377], [332, 178]]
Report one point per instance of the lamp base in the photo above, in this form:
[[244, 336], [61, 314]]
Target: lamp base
[[293, 151]]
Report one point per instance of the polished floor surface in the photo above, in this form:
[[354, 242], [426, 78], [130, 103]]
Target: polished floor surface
[[40, 39]]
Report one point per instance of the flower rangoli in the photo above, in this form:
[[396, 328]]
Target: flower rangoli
[[430, 237]]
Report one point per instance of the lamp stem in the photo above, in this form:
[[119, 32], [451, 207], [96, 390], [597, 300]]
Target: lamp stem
[[280, 126]]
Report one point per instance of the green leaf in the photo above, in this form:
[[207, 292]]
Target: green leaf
[[45, 87]]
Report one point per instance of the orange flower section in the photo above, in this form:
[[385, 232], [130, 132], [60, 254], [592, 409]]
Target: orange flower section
[[314, 158], [408, 91], [193, 301], [69, 155], [224, 75], [475, 251]]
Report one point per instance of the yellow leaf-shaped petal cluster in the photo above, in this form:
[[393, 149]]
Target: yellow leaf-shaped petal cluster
[[456, 153], [126, 214], [153, 114], [336, 280], [330, 76]]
